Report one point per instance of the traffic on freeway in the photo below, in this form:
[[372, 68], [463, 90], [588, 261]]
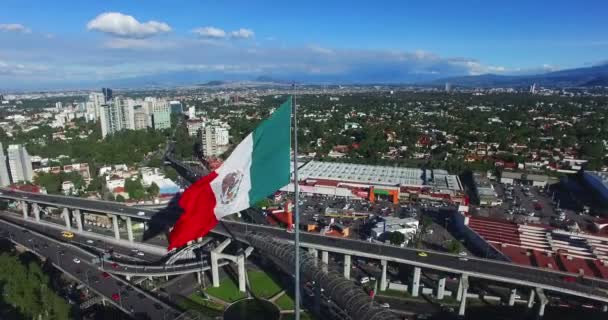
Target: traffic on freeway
[[476, 267], [78, 264]]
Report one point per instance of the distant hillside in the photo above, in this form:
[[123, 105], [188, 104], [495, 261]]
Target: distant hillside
[[580, 77]]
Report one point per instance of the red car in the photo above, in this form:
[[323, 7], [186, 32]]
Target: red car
[[569, 279], [114, 265], [538, 206], [115, 296], [105, 275]]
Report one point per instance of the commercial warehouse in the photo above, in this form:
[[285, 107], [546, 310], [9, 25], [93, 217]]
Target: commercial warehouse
[[378, 182]]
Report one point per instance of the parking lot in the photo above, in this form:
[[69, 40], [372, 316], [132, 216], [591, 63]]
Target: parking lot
[[530, 204]]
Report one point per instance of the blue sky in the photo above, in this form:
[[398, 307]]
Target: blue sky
[[54, 42]]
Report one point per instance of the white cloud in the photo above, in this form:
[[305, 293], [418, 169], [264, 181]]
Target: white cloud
[[242, 33], [14, 27], [122, 25], [210, 32]]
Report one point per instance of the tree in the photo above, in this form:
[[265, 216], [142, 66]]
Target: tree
[[264, 203], [96, 184], [50, 181], [26, 289], [120, 198], [153, 190], [396, 238], [135, 189], [454, 246]]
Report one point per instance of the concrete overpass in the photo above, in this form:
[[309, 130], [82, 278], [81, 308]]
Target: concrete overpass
[[506, 273]]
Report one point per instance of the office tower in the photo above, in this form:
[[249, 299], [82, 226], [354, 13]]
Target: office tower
[[107, 94], [448, 87], [19, 163], [214, 141], [5, 179], [176, 107], [533, 88], [161, 115], [191, 112], [111, 118], [141, 119]]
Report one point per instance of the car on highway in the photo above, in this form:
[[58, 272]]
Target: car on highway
[[140, 253], [67, 234], [141, 213], [569, 279], [105, 275], [89, 241], [76, 260], [422, 254], [115, 297], [114, 265]]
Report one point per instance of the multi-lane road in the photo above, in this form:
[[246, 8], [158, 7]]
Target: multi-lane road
[[77, 263], [475, 267]]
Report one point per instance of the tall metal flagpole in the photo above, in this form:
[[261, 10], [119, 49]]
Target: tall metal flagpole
[[296, 203]]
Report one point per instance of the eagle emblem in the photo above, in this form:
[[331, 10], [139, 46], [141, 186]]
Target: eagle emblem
[[230, 186]]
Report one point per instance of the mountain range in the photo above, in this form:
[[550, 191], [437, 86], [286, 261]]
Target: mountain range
[[579, 77]]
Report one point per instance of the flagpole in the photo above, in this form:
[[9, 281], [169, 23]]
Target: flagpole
[[296, 203]]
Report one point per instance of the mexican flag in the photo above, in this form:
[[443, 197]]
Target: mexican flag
[[258, 166]]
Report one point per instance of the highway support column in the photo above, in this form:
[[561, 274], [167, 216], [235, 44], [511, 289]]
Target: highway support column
[[542, 298], [441, 289], [325, 259], [66, 218], [383, 280], [461, 283], [464, 280], [215, 257], [240, 263], [416, 282], [129, 229], [36, 210], [531, 298], [512, 297], [115, 224], [24, 208], [347, 266], [78, 217], [315, 254]]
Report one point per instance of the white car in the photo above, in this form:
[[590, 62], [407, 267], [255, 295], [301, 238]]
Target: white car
[[141, 213], [76, 260], [90, 241], [139, 253], [385, 305]]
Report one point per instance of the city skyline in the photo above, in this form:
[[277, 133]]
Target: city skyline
[[87, 44]]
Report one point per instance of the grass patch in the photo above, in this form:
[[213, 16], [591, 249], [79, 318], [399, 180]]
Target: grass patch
[[227, 291], [394, 293], [285, 302], [198, 303], [262, 285]]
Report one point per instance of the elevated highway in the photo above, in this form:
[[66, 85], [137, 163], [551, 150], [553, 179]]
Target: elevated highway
[[518, 275]]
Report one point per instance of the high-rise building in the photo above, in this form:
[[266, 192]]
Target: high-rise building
[[161, 115], [214, 140], [533, 88], [448, 87], [141, 118], [176, 107], [191, 112], [5, 179], [111, 118], [19, 163], [194, 126], [107, 94]]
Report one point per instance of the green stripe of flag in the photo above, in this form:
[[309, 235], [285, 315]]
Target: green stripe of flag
[[270, 163]]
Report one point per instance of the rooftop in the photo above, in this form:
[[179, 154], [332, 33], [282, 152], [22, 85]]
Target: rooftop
[[379, 175]]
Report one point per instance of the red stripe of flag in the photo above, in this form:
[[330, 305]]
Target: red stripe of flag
[[198, 218]]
